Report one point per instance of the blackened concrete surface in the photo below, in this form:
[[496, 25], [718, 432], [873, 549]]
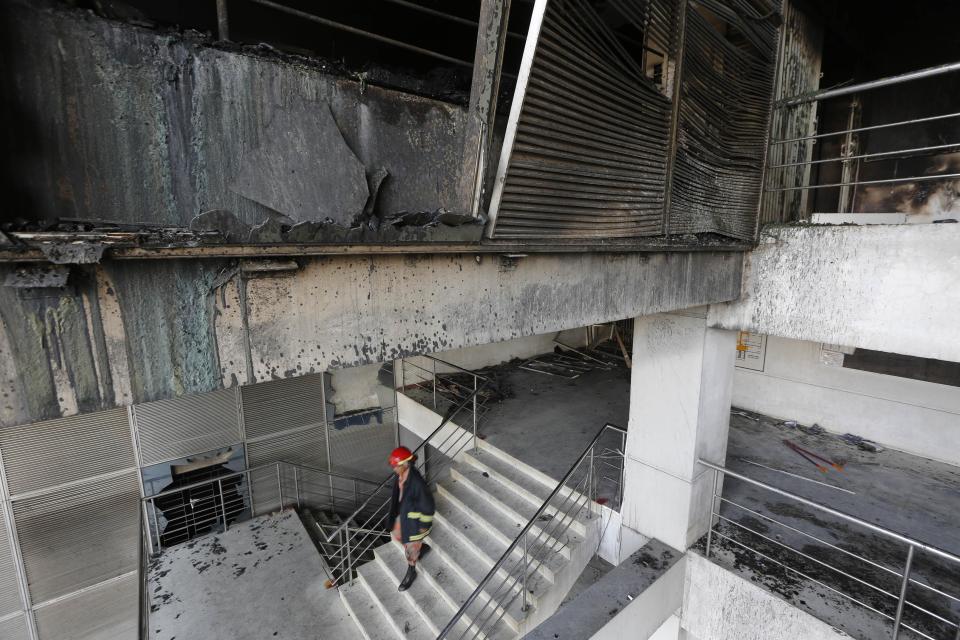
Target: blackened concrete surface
[[591, 610], [907, 494], [260, 579]]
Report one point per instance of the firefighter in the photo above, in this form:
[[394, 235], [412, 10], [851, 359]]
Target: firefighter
[[411, 512]]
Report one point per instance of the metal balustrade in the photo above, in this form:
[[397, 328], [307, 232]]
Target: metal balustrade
[[543, 535], [857, 569]]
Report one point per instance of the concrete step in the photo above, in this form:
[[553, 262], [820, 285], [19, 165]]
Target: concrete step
[[462, 522], [370, 619], [497, 521], [569, 520], [403, 615], [465, 561], [514, 475], [423, 595]]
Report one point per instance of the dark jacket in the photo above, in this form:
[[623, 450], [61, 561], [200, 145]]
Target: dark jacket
[[415, 510]]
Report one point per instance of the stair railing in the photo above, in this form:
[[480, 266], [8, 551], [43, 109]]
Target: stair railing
[[362, 531], [545, 533]]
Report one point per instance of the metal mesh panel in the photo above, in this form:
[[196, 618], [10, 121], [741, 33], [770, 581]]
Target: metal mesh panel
[[589, 154], [9, 584], [14, 629], [362, 451], [79, 536], [46, 454], [180, 427], [107, 612], [306, 447], [282, 405], [726, 85]]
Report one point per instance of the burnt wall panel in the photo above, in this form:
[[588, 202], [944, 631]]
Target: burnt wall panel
[[117, 122], [278, 406], [107, 611], [726, 83], [179, 427], [9, 582]]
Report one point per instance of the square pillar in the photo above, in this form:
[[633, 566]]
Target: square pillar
[[680, 392]]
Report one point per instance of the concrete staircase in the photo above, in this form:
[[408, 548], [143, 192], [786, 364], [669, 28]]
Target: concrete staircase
[[482, 505]]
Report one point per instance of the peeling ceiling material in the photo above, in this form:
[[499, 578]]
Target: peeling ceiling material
[[37, 276]]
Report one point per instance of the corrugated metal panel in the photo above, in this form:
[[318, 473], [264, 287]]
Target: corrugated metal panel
[[170, 429], [362, 451], [589, 150], [281, 405], [14, 629], [107, 612], [45, 454], [79, 536], [726, 86], [306, 447], [9, 584]]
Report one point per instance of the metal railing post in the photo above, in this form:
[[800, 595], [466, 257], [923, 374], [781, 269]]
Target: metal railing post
[[526, 564], [713, 501], [903, 593], [223, 505], [434, 363], [146, 523], [623, 468], [296, 485], [474, 412], [590, 492], [356, 496], [349, 557], [156, 524], [279, 486]]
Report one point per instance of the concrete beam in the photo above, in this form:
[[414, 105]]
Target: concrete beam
[[890, 288], [130, 332]]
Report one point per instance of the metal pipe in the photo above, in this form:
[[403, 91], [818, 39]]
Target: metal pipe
[[884, 181], [826, 94], [887, 125], [713, 503], [296, 485], [223, 23], [863, 156], [360, 32], [903, 593], [474, 412], [839, 514], [446, 16], [526, 565]]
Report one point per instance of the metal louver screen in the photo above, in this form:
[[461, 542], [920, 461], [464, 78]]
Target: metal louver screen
[[55, 452], [726, 85], [9, 584], [307, 447], [171, 429], [106, 612], [282, 405], [14, 629], [78, 536], [362, 451], [588, 154]]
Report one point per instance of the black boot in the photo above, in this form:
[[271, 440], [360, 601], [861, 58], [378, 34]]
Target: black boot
[[424, 550], [408, 579]]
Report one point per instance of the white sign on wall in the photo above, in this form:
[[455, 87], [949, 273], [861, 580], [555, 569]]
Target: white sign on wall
[[751, 350], [832, 354]]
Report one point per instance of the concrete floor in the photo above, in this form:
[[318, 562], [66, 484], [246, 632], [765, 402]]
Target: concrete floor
[[913, 496], [262, 579]]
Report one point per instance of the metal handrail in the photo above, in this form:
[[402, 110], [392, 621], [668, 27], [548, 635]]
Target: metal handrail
[[905, 580], [443, 423], [523, 533]]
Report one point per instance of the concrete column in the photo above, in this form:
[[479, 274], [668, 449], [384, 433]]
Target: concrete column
[[679, 410]]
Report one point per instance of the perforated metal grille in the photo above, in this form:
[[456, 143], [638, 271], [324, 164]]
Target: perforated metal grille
[[170, 429], [282, 405], [9, 584], [46, 454], [14, 629], [107, 611], [76, 537], [590, 149]]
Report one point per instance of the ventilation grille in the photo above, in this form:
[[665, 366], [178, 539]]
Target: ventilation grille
[[9, 585], [46, 454], [726, 84], [76, 537], [589, 154], [362, 451], [282, 405], [171, 429], [107, 611], [14, 629]]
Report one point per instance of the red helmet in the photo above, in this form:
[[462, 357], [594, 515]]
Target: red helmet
[[400, 455]]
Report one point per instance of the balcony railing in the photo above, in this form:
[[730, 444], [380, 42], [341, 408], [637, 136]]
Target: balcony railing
[[898, 595]]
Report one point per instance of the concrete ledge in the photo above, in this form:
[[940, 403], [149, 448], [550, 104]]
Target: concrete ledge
[[886, 287], [631, 601]]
